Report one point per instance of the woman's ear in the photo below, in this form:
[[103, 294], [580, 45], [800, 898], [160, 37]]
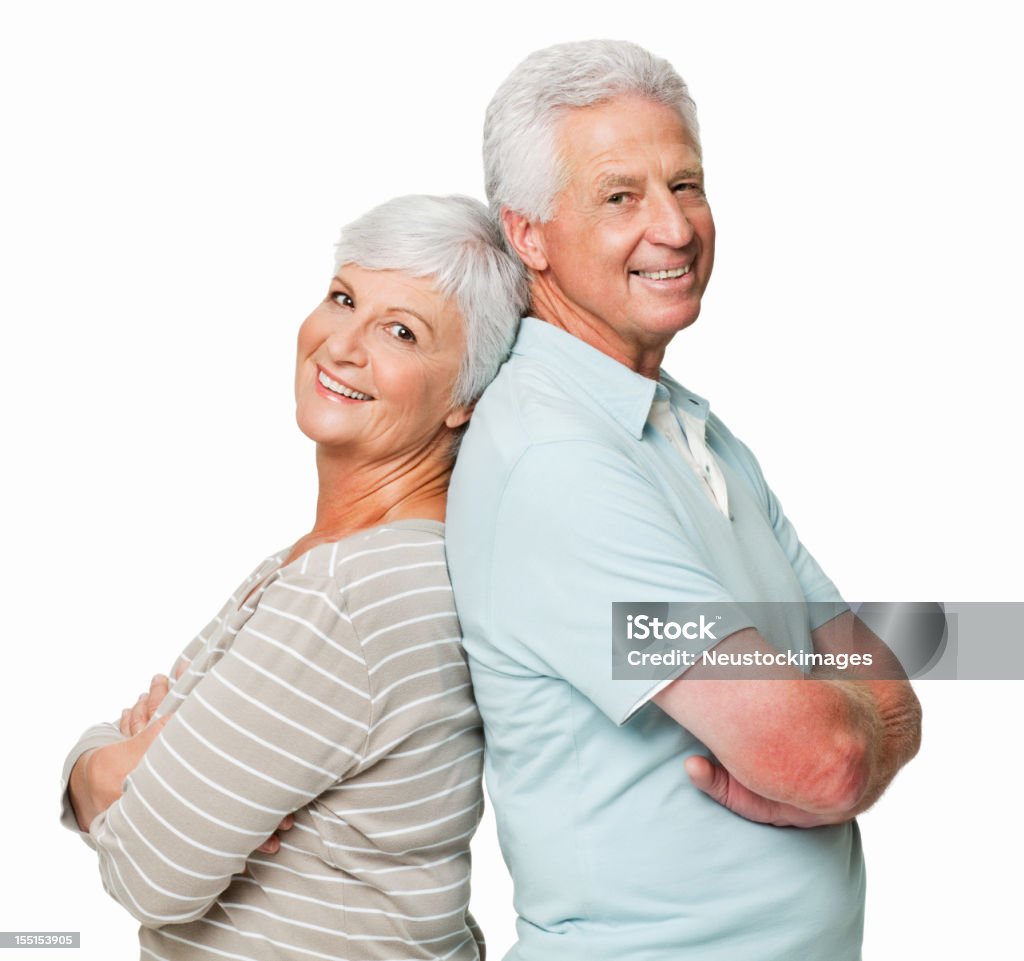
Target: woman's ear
[[459, 416], [526, 237]]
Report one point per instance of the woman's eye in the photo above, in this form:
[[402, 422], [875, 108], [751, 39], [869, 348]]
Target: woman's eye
[[342, 299], [401, 332]]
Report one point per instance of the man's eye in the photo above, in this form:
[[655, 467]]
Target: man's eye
[[342, 299], [616, 198], [401, 332], [688, 187]]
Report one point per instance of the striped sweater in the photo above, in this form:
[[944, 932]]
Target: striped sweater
[[336, 688]]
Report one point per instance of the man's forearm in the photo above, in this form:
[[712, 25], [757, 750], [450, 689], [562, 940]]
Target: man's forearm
[[795, 750], [886, 723]]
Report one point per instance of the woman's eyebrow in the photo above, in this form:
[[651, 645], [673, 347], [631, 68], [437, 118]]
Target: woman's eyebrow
[[392, 308], [408, 310]]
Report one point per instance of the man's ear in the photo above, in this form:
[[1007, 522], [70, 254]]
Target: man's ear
[[526, 238]]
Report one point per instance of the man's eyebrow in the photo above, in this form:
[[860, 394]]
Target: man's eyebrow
[[612, 181], [619, 181], [688, 173]]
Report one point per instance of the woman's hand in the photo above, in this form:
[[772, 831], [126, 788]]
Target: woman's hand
[[273, 844], [135, 718], [98, 776], [96, 781]]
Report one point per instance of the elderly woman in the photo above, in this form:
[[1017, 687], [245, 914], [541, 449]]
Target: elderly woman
[[330, 695]]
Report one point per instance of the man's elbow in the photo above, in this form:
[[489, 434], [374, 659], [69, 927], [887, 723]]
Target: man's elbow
[[902, 724], [828, 777], [861, 759], [839, 778]]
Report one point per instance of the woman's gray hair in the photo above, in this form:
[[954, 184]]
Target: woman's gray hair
[[522, 167], [454, 241]]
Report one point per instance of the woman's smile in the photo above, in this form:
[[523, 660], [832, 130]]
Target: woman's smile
[[336, 389]]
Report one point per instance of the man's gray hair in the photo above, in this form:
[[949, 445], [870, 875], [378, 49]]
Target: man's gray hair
[[522, 167], [454, 241]]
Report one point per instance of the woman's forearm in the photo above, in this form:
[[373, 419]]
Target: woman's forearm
[[98, 776], [83, 803], [99, 735], [261, 730]]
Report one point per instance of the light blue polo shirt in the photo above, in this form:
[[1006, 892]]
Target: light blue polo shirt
[[565, 499]]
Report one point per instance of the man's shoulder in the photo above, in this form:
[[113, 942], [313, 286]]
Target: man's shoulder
[[531, 435], [530, 404]]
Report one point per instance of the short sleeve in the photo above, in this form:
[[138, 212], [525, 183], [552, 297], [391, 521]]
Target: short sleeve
[[822, 596], [578, 528]]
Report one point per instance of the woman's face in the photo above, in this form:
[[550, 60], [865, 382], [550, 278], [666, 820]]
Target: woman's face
[[377, 361]]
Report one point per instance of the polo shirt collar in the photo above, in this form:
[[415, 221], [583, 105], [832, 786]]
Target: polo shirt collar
[[623, 394], [685, 400]]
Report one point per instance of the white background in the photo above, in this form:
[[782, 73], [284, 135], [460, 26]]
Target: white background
[[173, 180]]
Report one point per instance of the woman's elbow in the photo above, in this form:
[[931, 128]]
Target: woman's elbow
[[162, 920], [158, 908]]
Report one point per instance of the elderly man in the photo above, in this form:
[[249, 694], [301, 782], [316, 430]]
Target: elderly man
[[588, 476]]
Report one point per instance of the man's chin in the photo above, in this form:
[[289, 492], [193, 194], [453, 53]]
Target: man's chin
[[664, 325]]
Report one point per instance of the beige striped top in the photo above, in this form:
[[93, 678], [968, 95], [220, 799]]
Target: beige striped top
[[337, 690]]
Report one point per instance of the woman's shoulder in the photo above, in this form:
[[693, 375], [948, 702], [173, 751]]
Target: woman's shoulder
[[389, 583], [385, 582], [394, 556], [388, 547]]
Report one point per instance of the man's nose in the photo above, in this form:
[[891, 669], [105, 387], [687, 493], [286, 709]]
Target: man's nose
[[669, 225]]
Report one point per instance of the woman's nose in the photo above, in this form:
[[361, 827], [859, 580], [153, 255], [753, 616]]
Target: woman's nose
[[346, 343]]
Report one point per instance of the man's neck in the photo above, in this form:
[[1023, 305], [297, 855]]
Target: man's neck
[[549, 304]]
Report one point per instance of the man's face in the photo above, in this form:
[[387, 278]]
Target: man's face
[[630, 248]]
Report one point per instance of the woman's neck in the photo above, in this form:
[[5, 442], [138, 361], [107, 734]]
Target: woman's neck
[[354, 497]]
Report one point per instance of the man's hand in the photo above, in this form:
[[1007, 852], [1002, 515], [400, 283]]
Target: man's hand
[[718, 784]]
